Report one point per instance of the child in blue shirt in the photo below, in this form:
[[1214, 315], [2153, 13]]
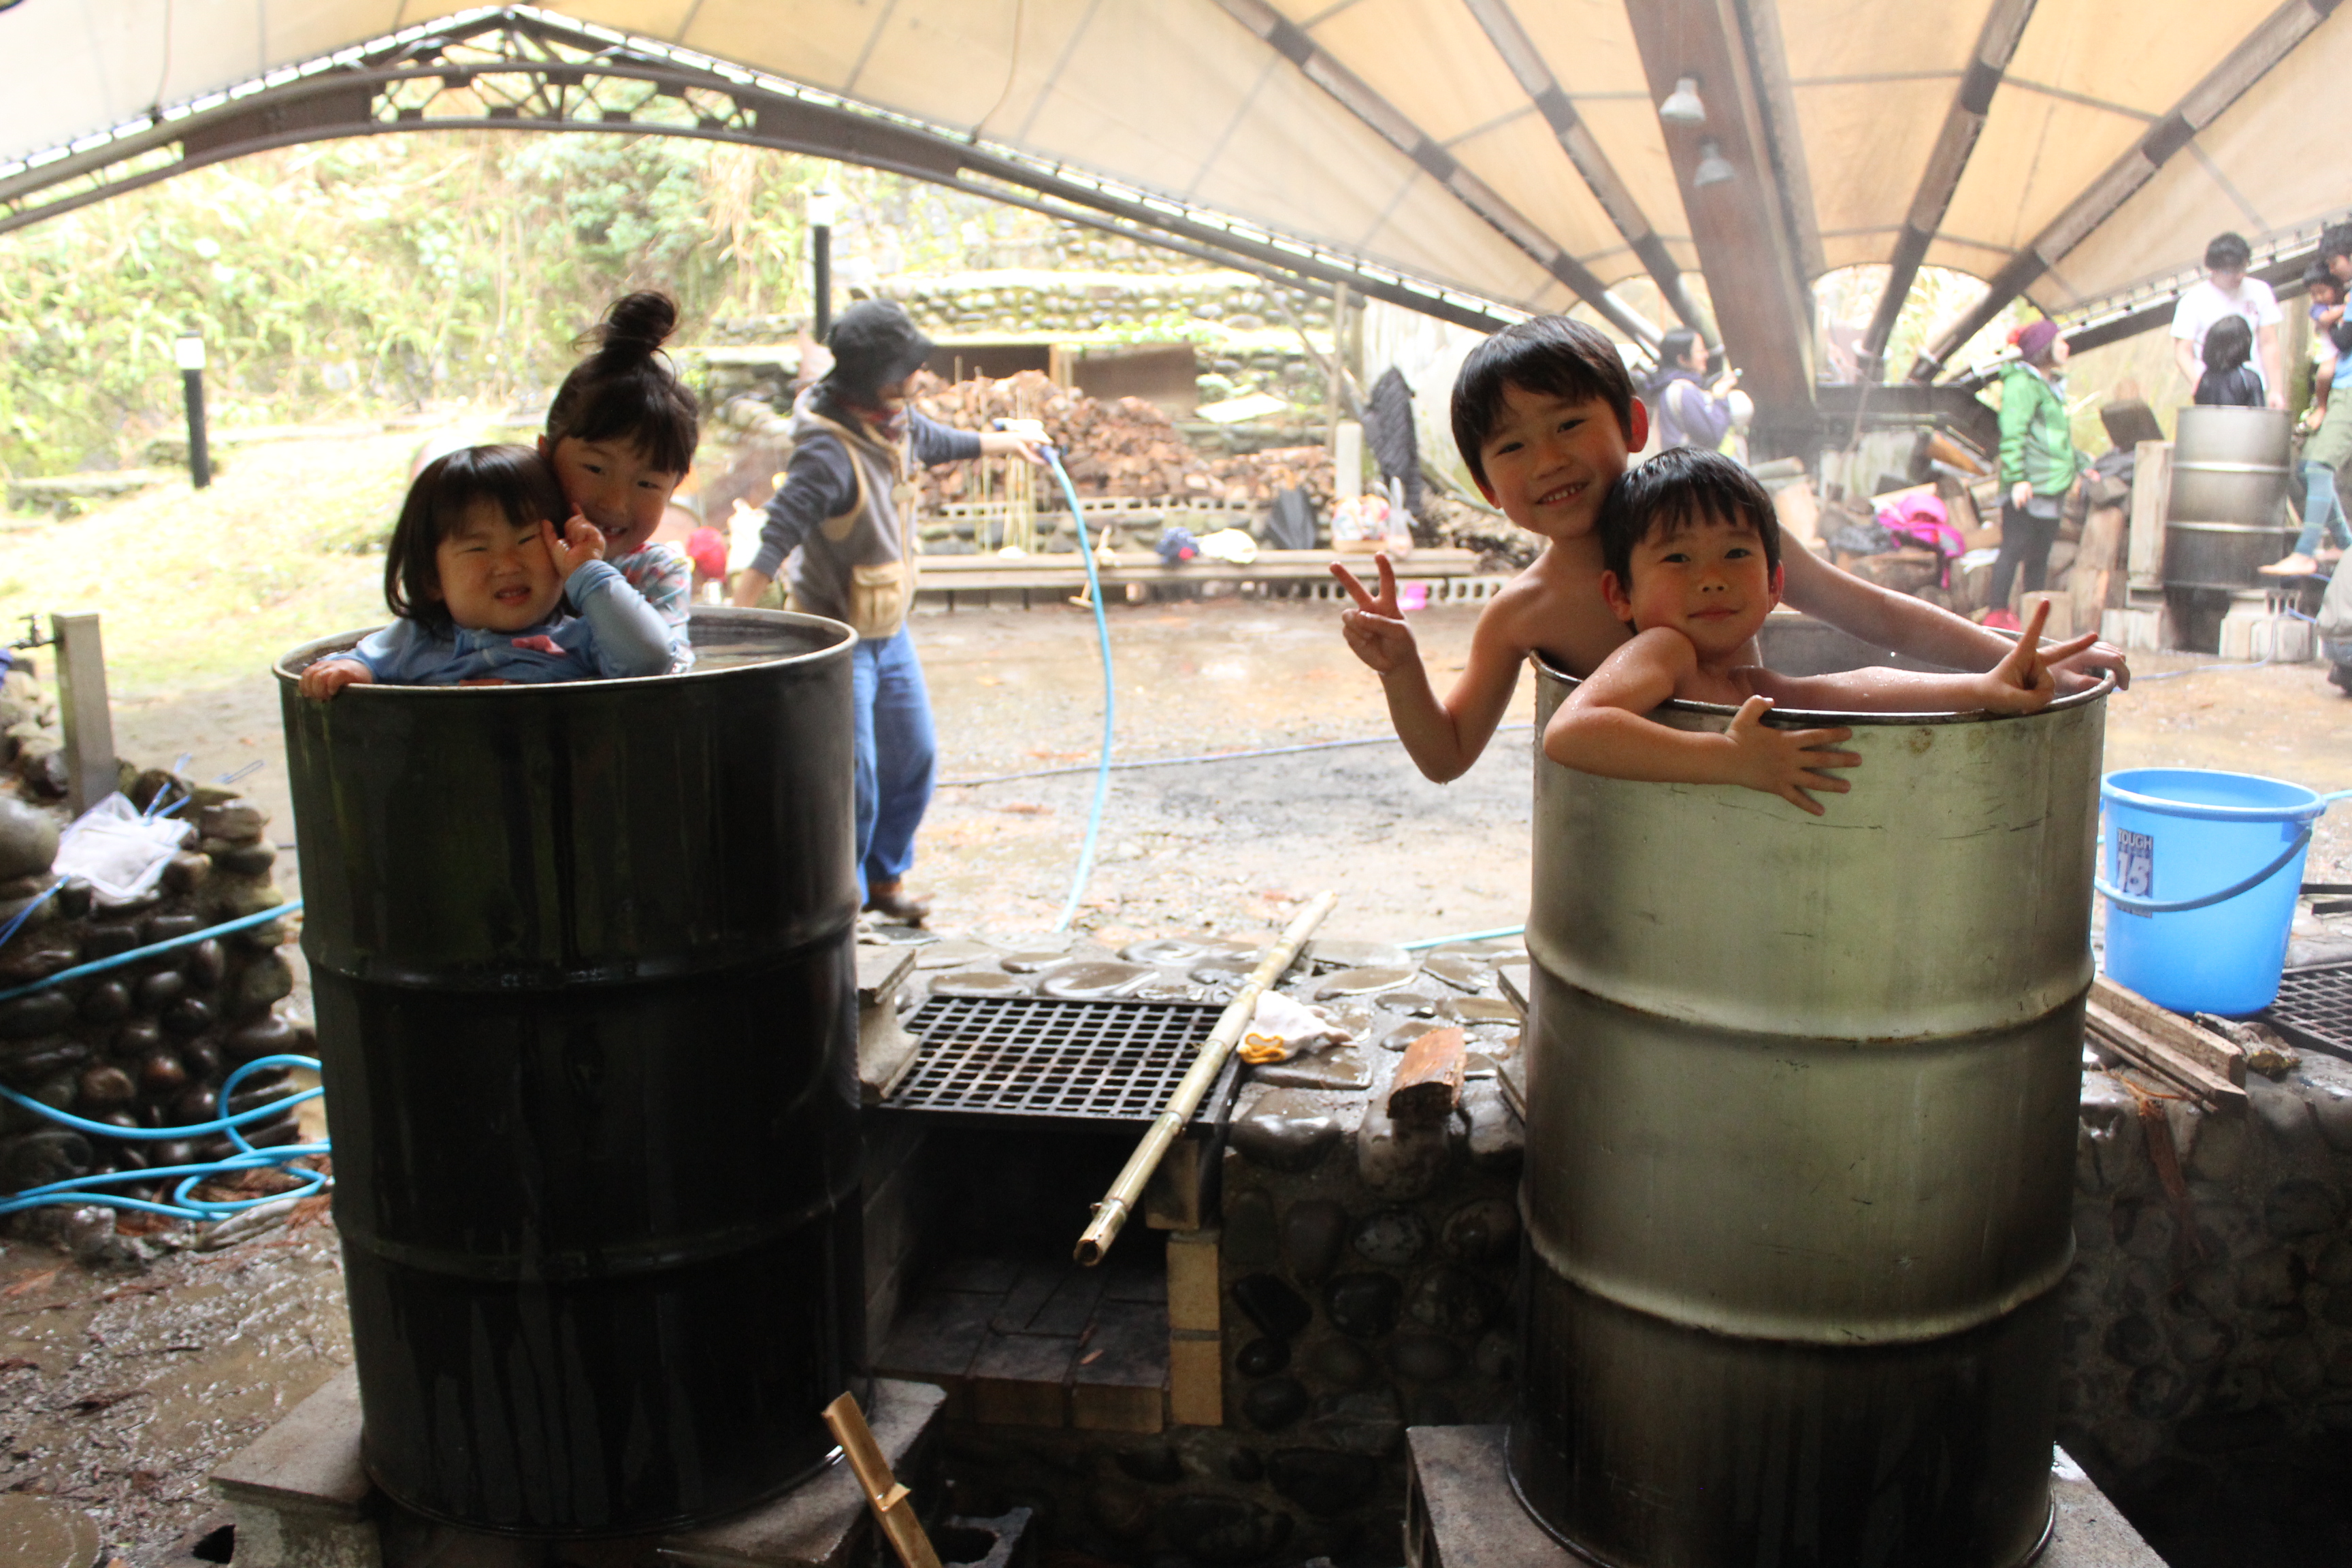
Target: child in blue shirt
[[479, 576], [620, 436]]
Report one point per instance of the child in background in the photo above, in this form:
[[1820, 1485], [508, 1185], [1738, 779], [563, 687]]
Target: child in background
[[2326, 446], [1545, 415], [621, 436], [1694, 566], [2229, 381], [477, 575]]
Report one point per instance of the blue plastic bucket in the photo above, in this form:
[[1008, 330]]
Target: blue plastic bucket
[[2200, 871]]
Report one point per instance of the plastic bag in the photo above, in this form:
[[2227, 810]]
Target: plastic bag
[[121, 854], [1281, 1027]]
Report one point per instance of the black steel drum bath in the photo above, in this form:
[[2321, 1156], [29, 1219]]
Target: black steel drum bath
[[587, 1011], [1801, 1106]]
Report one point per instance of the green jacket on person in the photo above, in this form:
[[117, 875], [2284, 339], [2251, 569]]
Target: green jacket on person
[[2037, 437]]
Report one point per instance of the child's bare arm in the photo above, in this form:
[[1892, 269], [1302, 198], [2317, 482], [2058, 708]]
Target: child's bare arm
[[1902, 624], [2022, 682], [1603, 729], [328, 676], [1444, 738]]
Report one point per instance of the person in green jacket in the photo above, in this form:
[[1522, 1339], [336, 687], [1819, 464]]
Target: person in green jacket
[[2039, 465]]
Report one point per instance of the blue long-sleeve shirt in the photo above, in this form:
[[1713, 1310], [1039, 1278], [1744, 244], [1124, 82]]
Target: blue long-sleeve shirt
[[820, 484], [616, 633]]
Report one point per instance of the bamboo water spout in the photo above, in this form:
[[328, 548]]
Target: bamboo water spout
[[1112, 1214]]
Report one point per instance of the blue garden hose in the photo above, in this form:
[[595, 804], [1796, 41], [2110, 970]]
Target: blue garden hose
[[1110, 697], [81, 1190]]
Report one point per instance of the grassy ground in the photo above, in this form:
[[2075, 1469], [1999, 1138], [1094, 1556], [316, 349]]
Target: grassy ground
[[198, 587]]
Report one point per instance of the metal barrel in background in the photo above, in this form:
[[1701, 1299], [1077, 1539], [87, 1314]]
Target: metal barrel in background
[[2232, 468], [1802, 1107], [582, 957]]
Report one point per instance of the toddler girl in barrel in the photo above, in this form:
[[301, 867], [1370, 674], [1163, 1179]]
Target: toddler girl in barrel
[[621, 435], [487, 590]]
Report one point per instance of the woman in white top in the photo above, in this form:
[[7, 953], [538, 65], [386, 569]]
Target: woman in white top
[[2226, 291]]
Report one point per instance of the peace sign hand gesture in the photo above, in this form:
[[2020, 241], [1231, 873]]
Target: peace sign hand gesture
[[1375, 628]]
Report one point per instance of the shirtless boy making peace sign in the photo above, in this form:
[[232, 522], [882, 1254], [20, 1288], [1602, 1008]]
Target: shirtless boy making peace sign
[[1545, 417]]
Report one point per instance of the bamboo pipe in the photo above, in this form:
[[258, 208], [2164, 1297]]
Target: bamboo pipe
[[893, 1506], [1112, 1214]]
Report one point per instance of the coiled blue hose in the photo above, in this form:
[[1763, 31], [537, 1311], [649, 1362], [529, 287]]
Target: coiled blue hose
[[183, 1206]]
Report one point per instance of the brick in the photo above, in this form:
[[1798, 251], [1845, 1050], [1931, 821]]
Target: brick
[[1196, 1379], [1193, 1279]]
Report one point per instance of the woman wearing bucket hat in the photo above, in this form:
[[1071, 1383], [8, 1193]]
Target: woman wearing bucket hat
[[841, 530], [2039, 465]]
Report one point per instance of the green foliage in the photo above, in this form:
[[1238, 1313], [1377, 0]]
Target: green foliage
[[334, 281]]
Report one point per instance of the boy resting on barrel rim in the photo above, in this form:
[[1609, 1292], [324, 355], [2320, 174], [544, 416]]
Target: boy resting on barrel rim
[[1691, 553]]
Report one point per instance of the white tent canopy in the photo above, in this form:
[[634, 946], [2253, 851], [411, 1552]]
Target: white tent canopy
[[1511, 152]]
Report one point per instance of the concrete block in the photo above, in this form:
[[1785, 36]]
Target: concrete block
[[821, 1523], [299, 1499], [1460, 1511], [2140, 629], [308, 1463]]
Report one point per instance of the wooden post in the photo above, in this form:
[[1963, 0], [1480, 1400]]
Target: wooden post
[[90, 770], [2151, 499]]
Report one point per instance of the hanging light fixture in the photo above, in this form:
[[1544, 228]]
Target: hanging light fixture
[[1682, 106], [1714, 168]]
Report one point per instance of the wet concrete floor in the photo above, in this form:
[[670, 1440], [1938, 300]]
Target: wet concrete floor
[[118, 1392]]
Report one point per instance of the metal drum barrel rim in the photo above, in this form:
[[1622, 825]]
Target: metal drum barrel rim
[[289, 665], [1814, 718]]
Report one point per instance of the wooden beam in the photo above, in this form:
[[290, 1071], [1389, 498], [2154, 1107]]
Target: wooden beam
[[1963, 121], [1291, 41], [2240, 69], [1616, 198], [1745, 248]]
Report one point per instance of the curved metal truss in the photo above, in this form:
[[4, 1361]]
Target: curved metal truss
[[511, 67]]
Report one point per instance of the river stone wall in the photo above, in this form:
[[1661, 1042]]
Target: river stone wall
[[2208, 1315], [146, 1044]]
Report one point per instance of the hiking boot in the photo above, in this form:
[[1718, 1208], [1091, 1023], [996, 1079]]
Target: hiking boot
[[892, 901]]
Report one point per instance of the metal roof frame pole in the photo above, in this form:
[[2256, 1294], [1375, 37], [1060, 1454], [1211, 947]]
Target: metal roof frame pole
[[1323, 68], [2240, 69], [1518, 52], [1963, 123], [1751, 259], [382, 88]]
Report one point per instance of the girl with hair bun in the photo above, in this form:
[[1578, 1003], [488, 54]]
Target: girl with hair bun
[[621, 435]]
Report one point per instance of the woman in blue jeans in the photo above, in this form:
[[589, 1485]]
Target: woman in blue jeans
[[845, 519]]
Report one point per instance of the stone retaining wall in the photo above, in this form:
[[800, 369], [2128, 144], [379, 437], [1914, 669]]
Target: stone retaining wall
[[148, 1044], [2208, 1315]]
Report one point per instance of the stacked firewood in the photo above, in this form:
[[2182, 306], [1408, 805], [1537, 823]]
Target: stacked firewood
[[1121, 446]]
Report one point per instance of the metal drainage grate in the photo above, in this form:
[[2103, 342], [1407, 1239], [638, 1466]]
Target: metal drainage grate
[[2315, 1008], [1044, 1058]]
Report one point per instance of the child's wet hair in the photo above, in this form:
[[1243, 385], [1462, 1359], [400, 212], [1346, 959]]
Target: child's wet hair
[[625, 390], [1682, 486], [1549, 355], [2229, 343], [517, 479]]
